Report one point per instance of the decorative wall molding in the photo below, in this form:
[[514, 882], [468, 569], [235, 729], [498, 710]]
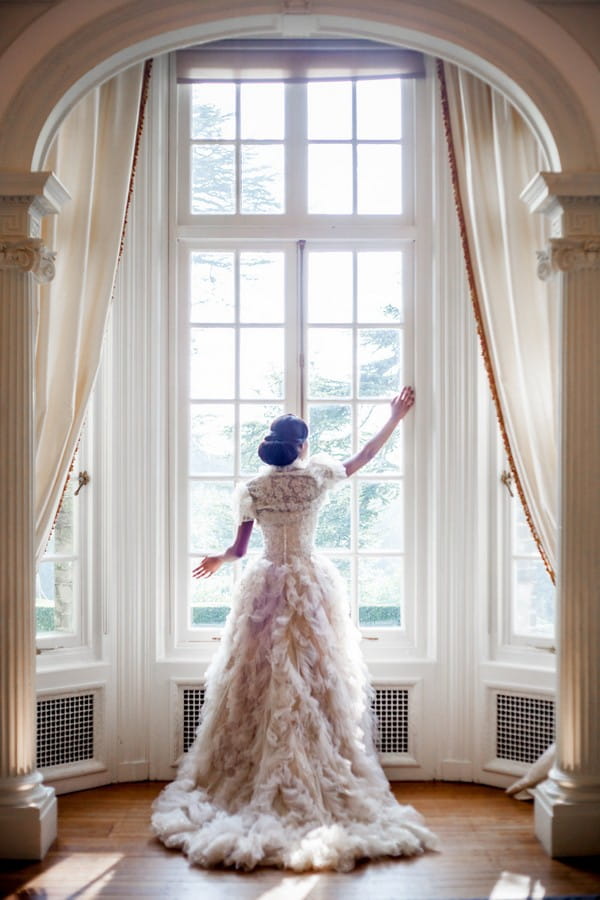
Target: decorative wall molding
[[28, 255], [569, 254]]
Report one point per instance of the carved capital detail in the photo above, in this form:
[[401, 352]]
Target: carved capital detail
[[568, 255], [28, 255]]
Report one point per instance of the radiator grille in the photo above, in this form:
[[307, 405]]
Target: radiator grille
[[390, 706], [65, 730], [524, 727], [193, 698]]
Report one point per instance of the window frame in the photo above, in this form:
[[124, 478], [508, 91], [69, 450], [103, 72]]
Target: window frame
[[384, 231], [78, 639], [510, 645]]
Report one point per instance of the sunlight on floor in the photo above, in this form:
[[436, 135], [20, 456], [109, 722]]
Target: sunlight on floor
[[66, 875], [297, 887], [511, 886]]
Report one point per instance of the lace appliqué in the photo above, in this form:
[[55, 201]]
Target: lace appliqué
[[288, 489]]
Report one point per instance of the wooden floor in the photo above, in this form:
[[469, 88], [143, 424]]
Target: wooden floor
[[105, 849]]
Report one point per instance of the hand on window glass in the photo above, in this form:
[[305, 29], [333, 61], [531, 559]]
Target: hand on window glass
[[402, 403]]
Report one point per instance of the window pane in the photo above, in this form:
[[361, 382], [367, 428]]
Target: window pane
[[211, 517], [329, 362], [344, 566], [261, 363], [211, 439], [63, 534], [261, 287], [330, 287], [379, 352], [212, 364], [54, 600], [329, 178], [533, 599], [379, 276], [372, 417], [378, 109], [213, 111], [333, 529], [211, 287], [523, 542], [379, 179], [213, 179], [329, 110], [262, 178], [262, 111], [330, 429], [380, 515], [380, 592], [255, 421], [210, 597]]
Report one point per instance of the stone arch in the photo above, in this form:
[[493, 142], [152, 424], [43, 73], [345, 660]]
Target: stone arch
[[84, 44]]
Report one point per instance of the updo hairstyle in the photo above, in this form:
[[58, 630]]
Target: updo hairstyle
[[282, 445]]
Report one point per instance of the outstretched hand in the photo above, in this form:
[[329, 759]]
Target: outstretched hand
[[208, 566], [402, 402]]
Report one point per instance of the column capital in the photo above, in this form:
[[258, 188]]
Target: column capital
[[25, 197], [571, 200], [569, 254], [28, 255]]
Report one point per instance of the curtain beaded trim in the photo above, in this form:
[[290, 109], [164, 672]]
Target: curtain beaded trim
[[483, 341], [136, 150]]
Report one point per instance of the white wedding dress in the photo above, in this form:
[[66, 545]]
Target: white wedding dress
[[283, 770]]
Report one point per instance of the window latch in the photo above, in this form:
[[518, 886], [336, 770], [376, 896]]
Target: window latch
[[507, 480], [82, 479]]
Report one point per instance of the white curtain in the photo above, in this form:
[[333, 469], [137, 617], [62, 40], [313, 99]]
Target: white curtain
[[92, 155], [496, 155]]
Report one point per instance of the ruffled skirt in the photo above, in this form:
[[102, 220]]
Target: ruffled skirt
[[283, 770]]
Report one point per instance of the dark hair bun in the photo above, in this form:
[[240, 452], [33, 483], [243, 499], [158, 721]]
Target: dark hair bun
[[278, 453], [282, 445]]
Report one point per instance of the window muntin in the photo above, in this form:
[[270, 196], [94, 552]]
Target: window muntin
[[58, 575], [355, 147], [236, 384], [239, 381], [236, 148], [348, 366], [532, 592], [63, 571], [321, 148], [320, 333]]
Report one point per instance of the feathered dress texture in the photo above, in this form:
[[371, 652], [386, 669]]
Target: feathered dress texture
[[283, 771]]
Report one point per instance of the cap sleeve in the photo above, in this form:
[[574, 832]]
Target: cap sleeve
[[243, 504], [327, 470]]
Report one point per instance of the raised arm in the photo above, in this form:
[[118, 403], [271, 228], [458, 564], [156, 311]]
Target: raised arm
[[211, 564], [400, 405]]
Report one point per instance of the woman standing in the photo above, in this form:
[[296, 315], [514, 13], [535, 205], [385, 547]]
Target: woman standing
[[283, 770]]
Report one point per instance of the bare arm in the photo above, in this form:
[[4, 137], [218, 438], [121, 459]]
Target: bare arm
[[400, 405], [211, 564]]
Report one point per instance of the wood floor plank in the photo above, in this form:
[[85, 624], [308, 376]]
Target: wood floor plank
[[105, 848]]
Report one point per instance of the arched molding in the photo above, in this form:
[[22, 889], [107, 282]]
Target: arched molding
[[74, 46]]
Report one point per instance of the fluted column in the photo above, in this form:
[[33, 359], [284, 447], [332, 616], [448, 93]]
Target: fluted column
[[27, 807], [567, 805]]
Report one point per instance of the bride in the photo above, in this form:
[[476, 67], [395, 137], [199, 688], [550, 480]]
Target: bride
[[283, 770]]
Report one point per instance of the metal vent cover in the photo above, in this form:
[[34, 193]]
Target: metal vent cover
[[65, 729], [524, 726], [193, 700], [391, 709], [389, 704]]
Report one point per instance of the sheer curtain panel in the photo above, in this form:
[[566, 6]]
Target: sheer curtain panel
[[494, 155], [92, 154]]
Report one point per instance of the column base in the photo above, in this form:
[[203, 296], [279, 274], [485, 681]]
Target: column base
[[566, 826], [28, 817]]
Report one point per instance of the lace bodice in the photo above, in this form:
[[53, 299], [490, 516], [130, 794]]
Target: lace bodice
[[286, 501]]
